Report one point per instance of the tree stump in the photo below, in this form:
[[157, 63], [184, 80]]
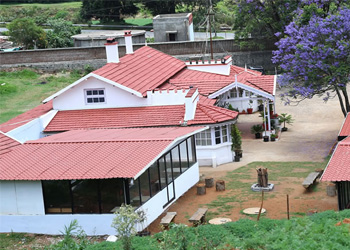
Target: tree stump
[[220, 185], [262, 177], [331, 190], [209, 182], [201, 189]]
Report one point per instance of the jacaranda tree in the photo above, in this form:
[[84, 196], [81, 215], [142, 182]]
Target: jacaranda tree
[[314, 55]]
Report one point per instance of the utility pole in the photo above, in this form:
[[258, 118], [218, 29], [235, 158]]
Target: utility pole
[[210, 13]]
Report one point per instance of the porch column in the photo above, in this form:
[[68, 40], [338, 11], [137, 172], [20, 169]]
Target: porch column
[[268, 116]]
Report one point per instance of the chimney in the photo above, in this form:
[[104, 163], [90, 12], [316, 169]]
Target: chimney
[[128, 42], [191, 100], [112, 51]]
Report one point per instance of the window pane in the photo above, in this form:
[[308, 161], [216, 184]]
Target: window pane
[[89, 92], [57, 197], [224, 133], [89, 100], [94, 92], [112, 194], [95, 99], [191, 151], [101, 92], [162, 172], [168, 167], [217, 135], [183, 155], [176, 162], [85, 198], [154, 175], [101, 99], [134, 193], [145, 192]]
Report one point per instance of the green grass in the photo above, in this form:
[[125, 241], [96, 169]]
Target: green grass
[[66, 5], [14, 240], [28, 89], [139, 21]]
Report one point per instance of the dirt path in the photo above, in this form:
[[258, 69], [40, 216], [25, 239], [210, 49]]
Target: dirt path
[[309, 139]]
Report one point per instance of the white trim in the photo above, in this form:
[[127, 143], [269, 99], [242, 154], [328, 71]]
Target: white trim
[[171, 145], [97, 77], [243, 86]]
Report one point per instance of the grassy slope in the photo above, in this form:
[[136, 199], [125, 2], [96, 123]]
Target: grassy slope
[[66, 5], [26, 90]]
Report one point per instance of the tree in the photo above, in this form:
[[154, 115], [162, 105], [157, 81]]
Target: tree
[[315, 56], [26, 33], [60, 34], [125, 221], [107, 10], [263, 18]]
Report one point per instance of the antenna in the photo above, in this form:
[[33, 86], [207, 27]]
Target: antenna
[[210, 13]]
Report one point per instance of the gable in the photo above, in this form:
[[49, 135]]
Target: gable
[[76, 97]]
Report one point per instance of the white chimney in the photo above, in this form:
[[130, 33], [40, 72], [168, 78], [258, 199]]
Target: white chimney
[[112, 51], [128, 42], [191, 100]]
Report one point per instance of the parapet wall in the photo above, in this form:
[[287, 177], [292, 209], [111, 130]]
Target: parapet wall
[[72, 58]]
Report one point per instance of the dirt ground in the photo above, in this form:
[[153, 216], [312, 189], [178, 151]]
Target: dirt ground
[[309, 139]]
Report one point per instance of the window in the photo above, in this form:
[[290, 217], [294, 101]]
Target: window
[[236, 92], [203, 138], [224, 133], [217, 135], [95, 96]]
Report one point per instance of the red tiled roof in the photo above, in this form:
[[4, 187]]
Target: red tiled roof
[[6, 143], [144, 70], [208, 83], [26, 117], [151, 116], [338, 168], [92, 154], [345, 130]]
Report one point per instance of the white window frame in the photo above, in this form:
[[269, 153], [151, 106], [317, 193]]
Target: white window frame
[[94, 96], [203, 137]]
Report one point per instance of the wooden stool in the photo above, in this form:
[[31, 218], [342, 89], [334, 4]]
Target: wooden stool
[[220, 185], [201, 189], [209, 182]]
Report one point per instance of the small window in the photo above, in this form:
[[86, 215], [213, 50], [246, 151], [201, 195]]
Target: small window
[[203, 138], [95, 96], [234, 93]]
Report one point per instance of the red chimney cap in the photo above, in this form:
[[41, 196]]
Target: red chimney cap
[[127, 33]]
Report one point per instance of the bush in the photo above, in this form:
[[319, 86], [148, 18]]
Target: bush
[[6, 88]]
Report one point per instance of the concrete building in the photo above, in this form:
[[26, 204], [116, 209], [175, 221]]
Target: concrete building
[[99, 38], [173, 27]]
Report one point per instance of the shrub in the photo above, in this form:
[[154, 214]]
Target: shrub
[[6, 88]]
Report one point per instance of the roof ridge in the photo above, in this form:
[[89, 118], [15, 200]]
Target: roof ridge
[[93, 141]]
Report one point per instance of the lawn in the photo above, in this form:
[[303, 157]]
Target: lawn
[[139, 21], [25, 89], [61, 6]]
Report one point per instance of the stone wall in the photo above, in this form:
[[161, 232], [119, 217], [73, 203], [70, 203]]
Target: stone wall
[[77, 58]]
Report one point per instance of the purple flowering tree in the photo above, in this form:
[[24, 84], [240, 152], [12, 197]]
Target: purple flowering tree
[[315, 57]]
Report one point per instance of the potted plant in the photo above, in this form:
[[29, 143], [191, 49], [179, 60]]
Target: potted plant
[[285, 118], [273, 137], [236, 139], [261, 105], [250, 109], [257, 130]]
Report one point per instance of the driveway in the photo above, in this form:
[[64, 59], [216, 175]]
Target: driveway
[[309, 138]]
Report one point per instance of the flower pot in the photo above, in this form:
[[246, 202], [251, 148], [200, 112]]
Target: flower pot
[[284, 129], [266, 138], [273, 138], [237, 158], [257, 135], [261, 107], [239, 153], [250, 110]]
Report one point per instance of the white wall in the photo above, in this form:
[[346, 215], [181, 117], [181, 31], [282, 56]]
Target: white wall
[[214, 155], [93, 224], [191, 32], [33, 129], [21, 198], [74, 98]]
